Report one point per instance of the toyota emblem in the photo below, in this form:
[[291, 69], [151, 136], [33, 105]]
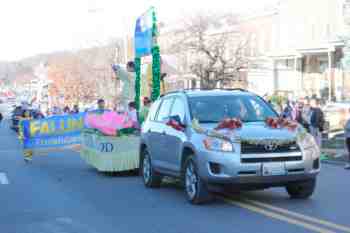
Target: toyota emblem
[[270, 147]]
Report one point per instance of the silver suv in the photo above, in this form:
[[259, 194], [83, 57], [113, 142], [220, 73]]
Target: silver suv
[[179, 139]]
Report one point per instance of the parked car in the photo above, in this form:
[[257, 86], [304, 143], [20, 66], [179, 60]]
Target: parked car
[[235, 163], [336, 115]]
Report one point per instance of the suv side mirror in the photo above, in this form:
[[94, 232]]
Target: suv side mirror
[[176, 118], [175, 122]]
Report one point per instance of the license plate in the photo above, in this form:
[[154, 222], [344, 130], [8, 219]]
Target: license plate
[[273, 169]]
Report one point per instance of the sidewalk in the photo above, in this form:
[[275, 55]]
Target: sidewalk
[[334, 150]]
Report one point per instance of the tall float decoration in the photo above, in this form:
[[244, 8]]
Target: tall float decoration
[[107, 140], [110, 140]]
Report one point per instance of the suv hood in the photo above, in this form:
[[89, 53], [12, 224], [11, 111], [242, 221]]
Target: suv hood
[[258, 130]]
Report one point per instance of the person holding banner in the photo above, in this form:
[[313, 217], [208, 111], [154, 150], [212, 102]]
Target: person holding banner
[[28, 154], [66, 110], [75, 109], [1, 117]]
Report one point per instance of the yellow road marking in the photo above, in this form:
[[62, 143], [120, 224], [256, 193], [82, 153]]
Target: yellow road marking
[[300, 216], [278, 216]]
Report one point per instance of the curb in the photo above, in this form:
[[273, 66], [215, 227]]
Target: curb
[[332, 162]]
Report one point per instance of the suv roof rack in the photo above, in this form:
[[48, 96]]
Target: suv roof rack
[[211, 89], [172, 92], [203, 89]]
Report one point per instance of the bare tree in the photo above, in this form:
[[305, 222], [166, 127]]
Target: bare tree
[[214, 47]]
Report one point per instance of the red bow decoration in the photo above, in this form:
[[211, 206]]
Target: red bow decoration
[[175, 125], [279, 123], [229, 123]]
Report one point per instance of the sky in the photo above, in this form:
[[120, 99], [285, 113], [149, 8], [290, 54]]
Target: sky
[[30, 27]]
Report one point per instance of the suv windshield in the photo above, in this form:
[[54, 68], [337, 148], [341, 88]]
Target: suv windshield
[[213, 109]]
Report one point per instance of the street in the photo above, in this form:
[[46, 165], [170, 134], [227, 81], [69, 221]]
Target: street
[[59, 193]]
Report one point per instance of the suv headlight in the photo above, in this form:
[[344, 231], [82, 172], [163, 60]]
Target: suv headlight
[[216, 144]]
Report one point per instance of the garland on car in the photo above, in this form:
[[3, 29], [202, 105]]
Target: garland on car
[[226, 128], [280, 123]]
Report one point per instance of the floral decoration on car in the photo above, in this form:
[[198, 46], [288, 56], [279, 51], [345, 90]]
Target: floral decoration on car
[[175, 125], [223, 130], [281, 123], [229, 123]]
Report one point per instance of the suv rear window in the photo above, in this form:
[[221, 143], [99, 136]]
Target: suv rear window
[[213, 109]]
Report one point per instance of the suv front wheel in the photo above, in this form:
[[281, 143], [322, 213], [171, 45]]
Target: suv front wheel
[[150, 178], [301, 190], [195, 188]]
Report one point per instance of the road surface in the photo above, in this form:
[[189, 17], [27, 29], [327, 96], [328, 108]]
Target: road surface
[[59, 193]]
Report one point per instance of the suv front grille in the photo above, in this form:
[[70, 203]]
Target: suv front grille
[[272, 159], [247, 148]]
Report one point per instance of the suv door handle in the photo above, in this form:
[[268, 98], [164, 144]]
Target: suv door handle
[[163, 133]]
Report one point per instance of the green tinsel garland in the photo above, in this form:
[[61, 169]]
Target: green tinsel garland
[[137, 82], [154, 24], [155, 73], [156, 60]]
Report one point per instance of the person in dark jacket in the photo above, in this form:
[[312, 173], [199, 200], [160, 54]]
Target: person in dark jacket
[[316, 121], [287, 111], [298, 112], [1, 118], [75, 109]]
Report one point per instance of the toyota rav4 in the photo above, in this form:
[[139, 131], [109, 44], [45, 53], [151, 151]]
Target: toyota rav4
[[180, 139]]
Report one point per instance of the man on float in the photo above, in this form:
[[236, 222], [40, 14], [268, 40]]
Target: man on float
[[101, 107]]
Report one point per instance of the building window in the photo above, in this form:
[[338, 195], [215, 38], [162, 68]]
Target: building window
[[290, 63]]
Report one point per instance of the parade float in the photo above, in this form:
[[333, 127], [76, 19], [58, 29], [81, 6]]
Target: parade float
[[107, 140], [110, 140]]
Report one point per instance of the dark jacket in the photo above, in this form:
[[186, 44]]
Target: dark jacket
[[1, 117], [317, 118]]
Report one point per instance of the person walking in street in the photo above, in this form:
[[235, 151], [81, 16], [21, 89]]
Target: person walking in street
[[28, 154], [347, 142], [316, 121], [1, 118], [66, 110]]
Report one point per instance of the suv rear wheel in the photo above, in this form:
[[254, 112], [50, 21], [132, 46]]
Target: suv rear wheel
[[150, 178], [301, 190], [195, 188]]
